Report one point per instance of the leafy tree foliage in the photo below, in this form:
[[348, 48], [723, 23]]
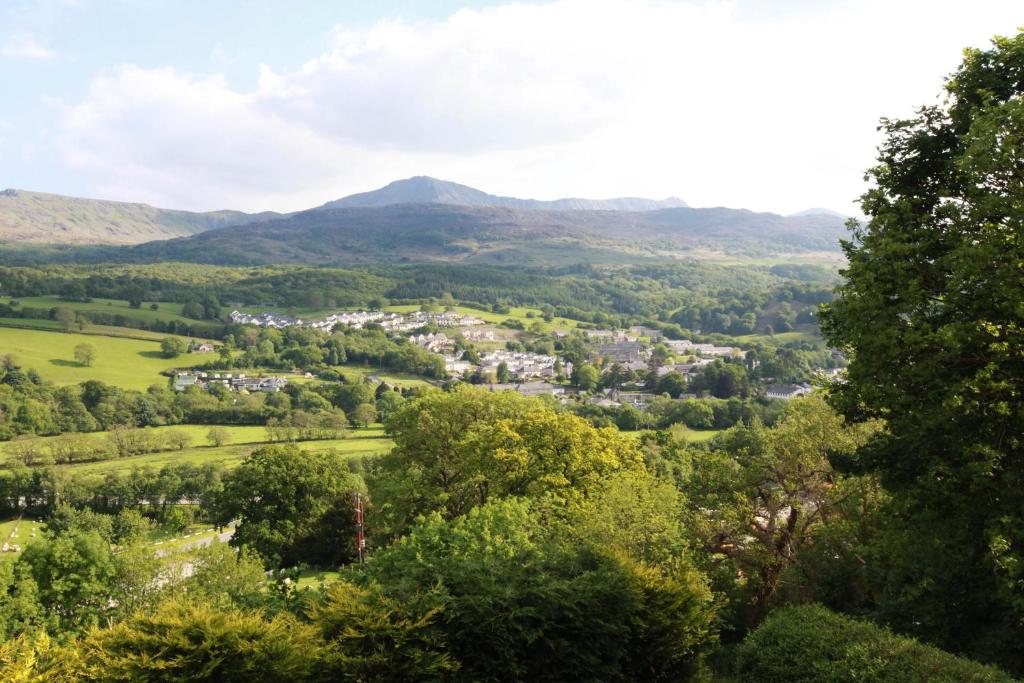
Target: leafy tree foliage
[[521, 599], [930, 314], [759, 496], [454, 450], [294, 506], [172, 347]]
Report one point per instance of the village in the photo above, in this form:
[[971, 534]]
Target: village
[[643, 353]]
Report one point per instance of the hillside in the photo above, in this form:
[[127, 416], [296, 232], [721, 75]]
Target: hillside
[[55, 219], [427, 190], [426, 232]]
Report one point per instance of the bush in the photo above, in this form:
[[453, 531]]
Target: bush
[[811, 643], [181, 642]]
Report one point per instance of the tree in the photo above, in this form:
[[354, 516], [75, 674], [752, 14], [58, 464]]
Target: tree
[[64, 316], [172, 347], [759, 497], [293, 506], [521, 598], [502, 374], [76, 575], [376, 638], [455, 450], [85, 354], [586, 377], [364, 415], [178, 439], [930, 316], [218, 436], [673, 384]]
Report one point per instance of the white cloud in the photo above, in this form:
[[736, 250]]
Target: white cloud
[[26, 46], [721, 103]]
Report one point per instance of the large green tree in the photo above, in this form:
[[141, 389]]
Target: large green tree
[[522, 598], [293, 506], [454, 450], [932, 318]]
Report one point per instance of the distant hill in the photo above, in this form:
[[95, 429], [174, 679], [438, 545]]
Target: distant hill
[[817, 211], [425, 232], [56, 219], [427, 190]]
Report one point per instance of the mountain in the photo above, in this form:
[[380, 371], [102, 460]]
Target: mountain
[[427, 190], [818, 211], [56, 219], [490, 234]]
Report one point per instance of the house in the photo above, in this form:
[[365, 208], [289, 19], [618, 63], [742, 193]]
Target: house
[[623, 352], [531, 388], [203, 348], [638, 399], [649, 332], [785, 392], [184, 381], [603, 402]]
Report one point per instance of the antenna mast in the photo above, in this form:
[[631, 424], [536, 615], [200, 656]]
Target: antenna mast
[[360, 538]]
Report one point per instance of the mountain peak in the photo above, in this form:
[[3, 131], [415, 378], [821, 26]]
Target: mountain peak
[[428, 190]]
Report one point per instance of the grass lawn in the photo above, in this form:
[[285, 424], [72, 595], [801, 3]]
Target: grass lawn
[[311, 578], [693, 435], [127, 363], [24, 533], [368, 441]]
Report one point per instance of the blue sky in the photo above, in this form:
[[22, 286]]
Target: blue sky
[[86, 37], [275, 105]]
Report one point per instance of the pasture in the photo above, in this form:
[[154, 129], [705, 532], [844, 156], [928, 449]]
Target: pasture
[[359, 442], [166, 311], [127, 363]]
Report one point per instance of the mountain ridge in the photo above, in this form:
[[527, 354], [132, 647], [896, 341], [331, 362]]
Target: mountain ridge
[[44, 217], [496, 235], [428, 190]]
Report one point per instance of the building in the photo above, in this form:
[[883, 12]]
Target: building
[[531, 388], [786, 392], [623, 352]]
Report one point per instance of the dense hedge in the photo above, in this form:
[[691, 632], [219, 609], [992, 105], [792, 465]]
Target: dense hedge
[[811, 643]]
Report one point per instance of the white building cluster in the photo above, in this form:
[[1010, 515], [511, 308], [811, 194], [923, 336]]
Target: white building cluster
[[522, 365], [233, 382], [391, 322]]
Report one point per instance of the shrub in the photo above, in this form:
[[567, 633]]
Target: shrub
[[181, 642], [811, 643]]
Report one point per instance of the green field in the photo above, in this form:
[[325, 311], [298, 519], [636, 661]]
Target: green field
[[127, 363], [235, 435], [398, 379], [24, 533], [780, 337], [166, 311], [368, 441], [693, 435]]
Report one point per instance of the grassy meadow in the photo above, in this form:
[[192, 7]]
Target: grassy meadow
[[166, 311], [127, 363], [359, 442]]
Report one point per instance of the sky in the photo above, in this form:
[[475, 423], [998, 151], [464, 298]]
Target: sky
[[258, 105]]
